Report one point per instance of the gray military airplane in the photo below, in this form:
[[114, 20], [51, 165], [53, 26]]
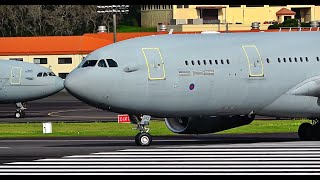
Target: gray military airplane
[[21, 82], [205, 83]]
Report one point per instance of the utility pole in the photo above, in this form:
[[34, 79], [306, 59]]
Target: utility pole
[[114, 9]]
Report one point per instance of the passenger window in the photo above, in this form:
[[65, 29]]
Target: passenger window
[[112, 63], [317, 58], [290, 59], [267, 60], [186, 63], [210, 61], [39, 74], [295, 59], [228, 61], [301, 59], [284, 59], [51, 74], [216, 61], [279, 60], [45, 74], [204, 62], [199, 62], [307, 59], [221, 61], [192, 62], [102, 63], [90, 63]]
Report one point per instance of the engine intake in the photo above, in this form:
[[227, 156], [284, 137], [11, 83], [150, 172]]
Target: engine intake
[[204, 125]]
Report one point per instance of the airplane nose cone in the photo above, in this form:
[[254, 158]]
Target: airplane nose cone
[[73, 83], [59, 84]]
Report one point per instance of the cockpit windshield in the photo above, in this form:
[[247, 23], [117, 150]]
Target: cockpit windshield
[[51, 74], [102, 63], [44, 74], [89, 63]]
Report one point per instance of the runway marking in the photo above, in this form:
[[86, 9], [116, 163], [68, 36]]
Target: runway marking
[[56, 114], [250, 159], [165, 163], [94, 140], [205, 155], [4, 147], [212, 149], [161, 173], [160, 166], [187, 159]]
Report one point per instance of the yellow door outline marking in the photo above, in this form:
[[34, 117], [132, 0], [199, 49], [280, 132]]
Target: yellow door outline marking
[[261, 63], [147, 62], [19, 82]]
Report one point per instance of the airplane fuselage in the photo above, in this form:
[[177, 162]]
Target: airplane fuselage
[[21, 82], [204, 75]]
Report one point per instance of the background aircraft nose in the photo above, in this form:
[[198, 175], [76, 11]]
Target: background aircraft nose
[[59, 84], [73, 83]]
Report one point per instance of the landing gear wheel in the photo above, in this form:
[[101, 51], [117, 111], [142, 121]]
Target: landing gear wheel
[[143, 139], [19, 114], [305, 131]]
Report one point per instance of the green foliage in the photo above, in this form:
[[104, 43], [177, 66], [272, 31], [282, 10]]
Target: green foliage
[[55, 20], [288, 23]]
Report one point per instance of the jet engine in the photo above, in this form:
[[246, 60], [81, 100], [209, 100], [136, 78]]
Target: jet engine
[[204, 125]]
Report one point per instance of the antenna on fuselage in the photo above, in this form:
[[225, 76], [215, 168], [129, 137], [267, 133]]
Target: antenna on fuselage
[[171, 31]]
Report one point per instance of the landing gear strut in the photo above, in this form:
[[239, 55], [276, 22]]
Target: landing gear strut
[[143, 138], [20, 107], [308, 132]]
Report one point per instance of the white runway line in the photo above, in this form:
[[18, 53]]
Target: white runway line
[[4, 147], [159, 170], [259, 159], [194, 155], [162, 173], [106, 154], [212, 149], [185, 159], [158, 166], [168, 163]]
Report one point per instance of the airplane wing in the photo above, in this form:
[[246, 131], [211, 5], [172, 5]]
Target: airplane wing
[[309, 87]]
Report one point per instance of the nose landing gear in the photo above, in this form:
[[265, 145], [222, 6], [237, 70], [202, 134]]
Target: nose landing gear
[[143, 138], [20, 107]]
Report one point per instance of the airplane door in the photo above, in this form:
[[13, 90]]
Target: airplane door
[[15, 75], [155, 64], [254, 60]]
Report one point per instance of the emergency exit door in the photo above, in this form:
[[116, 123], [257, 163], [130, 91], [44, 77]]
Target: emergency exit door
[[154, 63], [254, 61], [15, 75]]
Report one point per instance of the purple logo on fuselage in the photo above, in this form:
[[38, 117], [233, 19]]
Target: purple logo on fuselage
[[191, 87]]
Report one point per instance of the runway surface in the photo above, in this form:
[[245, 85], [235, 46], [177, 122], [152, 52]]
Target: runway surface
[[59, 107], [254, 154]]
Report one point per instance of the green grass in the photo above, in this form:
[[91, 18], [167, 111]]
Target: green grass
[[114, 129], [125, 28]]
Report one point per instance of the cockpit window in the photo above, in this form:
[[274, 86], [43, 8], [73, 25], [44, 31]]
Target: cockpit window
[[39, 74], [51, 74], [90, 63], [112, 63], [102, 63], [45, 74]]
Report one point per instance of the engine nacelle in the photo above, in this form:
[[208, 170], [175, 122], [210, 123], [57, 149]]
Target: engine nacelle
[[204, 125]]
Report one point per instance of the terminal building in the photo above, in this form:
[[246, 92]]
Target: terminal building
[[215, 17], [60, 53]]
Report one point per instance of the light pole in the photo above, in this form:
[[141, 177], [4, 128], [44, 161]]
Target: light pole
[[114, 9]]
